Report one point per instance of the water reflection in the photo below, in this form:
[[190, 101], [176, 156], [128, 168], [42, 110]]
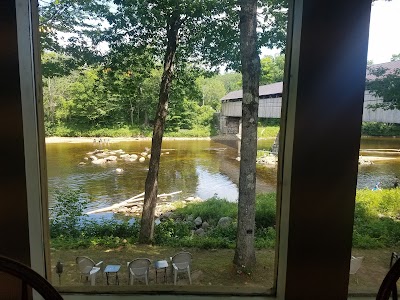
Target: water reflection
[[199, 168]]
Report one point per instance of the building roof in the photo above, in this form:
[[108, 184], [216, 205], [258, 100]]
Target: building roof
[[264, 90], [390, 66], [277, 87]]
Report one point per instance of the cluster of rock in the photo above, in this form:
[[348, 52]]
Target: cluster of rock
[[99, 157], [269, 159], [364, 160], [200, 226]]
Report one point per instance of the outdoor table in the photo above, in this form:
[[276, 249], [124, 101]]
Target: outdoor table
[[161, 264], [112, 269]]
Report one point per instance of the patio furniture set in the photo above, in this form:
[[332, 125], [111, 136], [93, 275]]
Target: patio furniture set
[[138, 268]]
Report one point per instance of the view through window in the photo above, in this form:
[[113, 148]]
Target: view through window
[[376, 227], [102, 68]]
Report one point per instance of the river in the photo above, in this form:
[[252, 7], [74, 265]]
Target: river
[[201, 168]]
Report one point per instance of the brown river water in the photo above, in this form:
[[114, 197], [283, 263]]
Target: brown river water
[[201, 168]]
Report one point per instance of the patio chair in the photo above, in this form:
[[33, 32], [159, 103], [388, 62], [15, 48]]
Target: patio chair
[[139, 268], [181, 263], [88, 268], [355, 264]]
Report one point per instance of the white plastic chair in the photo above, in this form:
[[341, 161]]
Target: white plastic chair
[[139, 268], [88, 268], [181, 263], [355, 264]]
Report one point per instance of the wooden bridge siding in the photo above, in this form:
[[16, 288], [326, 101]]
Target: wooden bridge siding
[[379, 115], [268, 108], [271, 108]]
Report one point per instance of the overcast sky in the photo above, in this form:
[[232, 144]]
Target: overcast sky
[[384, 38]]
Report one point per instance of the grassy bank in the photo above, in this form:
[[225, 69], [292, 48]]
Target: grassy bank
[[209, 268], [376, 224], [128, 131], [376, 235]]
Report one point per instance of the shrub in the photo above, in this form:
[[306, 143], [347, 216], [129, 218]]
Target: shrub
[[170, 232], [375, 221], [265, 238], [266, 210], [380, 129], [67, 213], [210, 210]]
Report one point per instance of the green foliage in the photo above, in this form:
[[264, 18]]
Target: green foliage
[[212, 90], [267, 132], [395, 57], [232, 81], [385, 85], [376, 221], [211, 210], [67, 213], [272, 68], [194, 132], [81, 21], [170, 232], [115, 233], [265, 210], [380, 129], [265, 238]]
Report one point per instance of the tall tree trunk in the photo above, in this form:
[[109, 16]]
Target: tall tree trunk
[[151, 186], [131, 110], [51, 102], [245, 257]]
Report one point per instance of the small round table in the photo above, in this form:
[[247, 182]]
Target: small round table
[[161, 264]]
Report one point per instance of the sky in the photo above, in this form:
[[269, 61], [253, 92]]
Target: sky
[[384, 31], [384, 38]]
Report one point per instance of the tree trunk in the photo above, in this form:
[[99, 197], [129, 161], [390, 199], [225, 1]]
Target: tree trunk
[[244, 253], [151, 185], [131, 109]]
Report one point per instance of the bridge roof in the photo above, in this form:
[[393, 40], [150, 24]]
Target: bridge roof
[[276, 88], [264, 90], [390, 66]]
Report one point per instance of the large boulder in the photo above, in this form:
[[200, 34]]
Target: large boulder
[[205, 225], [166, 215], [199, 232], [198, 221], [99, 161], [224, 222], [111, 158]]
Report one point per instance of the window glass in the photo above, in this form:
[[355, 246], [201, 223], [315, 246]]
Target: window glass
[[102, 71], [376, 226]]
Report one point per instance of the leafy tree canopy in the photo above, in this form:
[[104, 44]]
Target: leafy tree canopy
[[209, 31], [395, 57], [272, 68], [72, 28], [385, 85]]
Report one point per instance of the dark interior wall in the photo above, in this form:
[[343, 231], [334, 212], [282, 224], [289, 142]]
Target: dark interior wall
[[14, 235], [326, 91]]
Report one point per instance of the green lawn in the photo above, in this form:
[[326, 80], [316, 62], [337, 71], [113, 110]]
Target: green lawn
[[210, 268]]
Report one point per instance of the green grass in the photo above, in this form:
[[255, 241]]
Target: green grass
[[125, 131], [267, 132]]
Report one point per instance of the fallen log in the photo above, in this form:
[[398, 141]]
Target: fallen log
[[127, 203]]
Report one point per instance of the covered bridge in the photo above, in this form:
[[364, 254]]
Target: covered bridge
[[271, 102]]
